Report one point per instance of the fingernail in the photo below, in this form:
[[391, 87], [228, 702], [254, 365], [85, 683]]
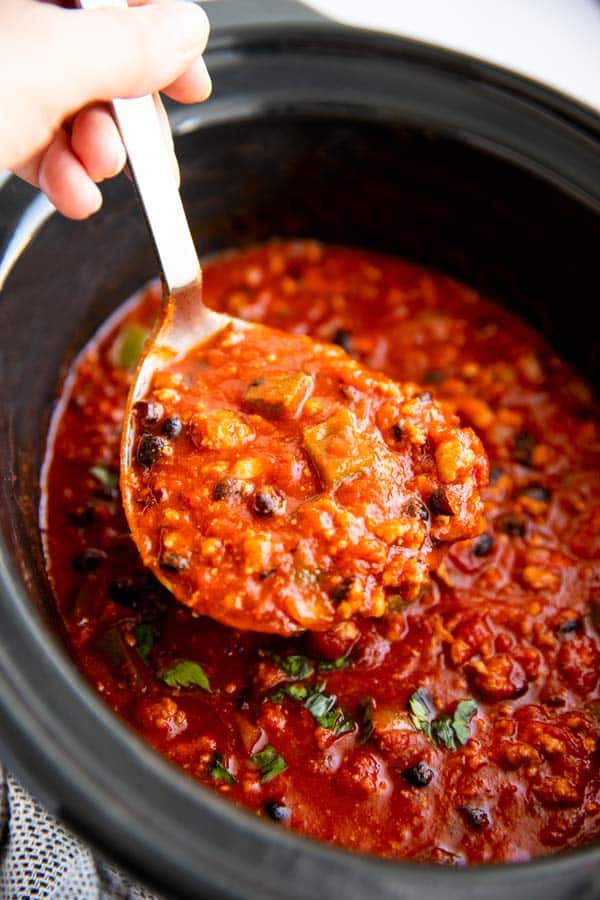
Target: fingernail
[[192, 25]]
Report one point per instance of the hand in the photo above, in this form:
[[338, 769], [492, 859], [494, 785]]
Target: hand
[[59, 67]]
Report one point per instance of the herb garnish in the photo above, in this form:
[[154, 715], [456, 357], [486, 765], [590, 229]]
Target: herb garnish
[[145, 636], [269, 763], [421, 710], [444, 730], [219, 771], [322, 707], [367, 720], [295, 667], [105, 476], [461, 720], [185, 673], [333, 665], [298, 667]]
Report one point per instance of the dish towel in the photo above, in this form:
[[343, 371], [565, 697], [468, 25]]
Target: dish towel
[[41, 860]]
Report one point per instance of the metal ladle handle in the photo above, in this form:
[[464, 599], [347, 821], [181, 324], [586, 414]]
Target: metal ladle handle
[[152, 172]]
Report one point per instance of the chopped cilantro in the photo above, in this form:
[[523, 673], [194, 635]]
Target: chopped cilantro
[[145, 636], [421, 710], [219, 771], [447, 731], [185, 673], [442, 732], [461, 720], [269, 763], [322, 707], [367, 721], [332, 665], [105, 476], [295, 666]]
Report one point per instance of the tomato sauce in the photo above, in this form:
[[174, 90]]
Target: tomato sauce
[[278, 486], [460, 727]]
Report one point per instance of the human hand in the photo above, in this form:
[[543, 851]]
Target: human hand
[[58, 69]]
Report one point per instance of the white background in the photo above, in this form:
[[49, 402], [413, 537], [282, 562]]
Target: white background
[[554, 41]]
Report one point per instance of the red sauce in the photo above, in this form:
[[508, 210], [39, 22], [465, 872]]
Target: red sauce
[[460, 728], [278, 486]]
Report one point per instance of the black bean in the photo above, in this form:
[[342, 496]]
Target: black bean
[[262, 576], [125, 592], [483, 544], [569, 626], [173, 562], [439, 504], [148, 412], [511, 524], [88, 560], [536, 492], [82, 517], [227, 488], [397, 432], [343, 338], [150, 448], [172, 428], [267, 501], [341, 590], [496, 472], [416, 509], [434, 376], [419, 775], [277, 811], [523, 448], [477, 817]]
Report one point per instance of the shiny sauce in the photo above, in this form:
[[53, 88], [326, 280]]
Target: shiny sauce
[[459, 727]]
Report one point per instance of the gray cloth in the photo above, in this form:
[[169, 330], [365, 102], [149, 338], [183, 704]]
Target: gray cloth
[[41, 859]]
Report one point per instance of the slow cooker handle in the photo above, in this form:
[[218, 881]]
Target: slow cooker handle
[[228, 13]]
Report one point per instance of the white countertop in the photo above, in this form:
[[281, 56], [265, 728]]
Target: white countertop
[[553, 41]]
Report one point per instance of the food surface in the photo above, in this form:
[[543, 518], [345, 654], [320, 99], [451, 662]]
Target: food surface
[[460, 727], [279, 486]]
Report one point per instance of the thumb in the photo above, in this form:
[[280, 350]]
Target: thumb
[[119, 52]]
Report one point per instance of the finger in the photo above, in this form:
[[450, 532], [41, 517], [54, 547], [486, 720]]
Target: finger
[[96, 141], [65, 181], [29, 169], [193, 86], [147, 47]]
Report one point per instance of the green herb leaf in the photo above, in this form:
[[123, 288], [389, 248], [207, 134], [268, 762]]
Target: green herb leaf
[[185, 673], [322, 707], [269, 763], [461, 720], [295, 666], [145, 636], [218, 770], [105, 476], [367, 721], [442, 732], [333, 665], [421, 710], [129, 345], [297, 692], [447, 731]]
